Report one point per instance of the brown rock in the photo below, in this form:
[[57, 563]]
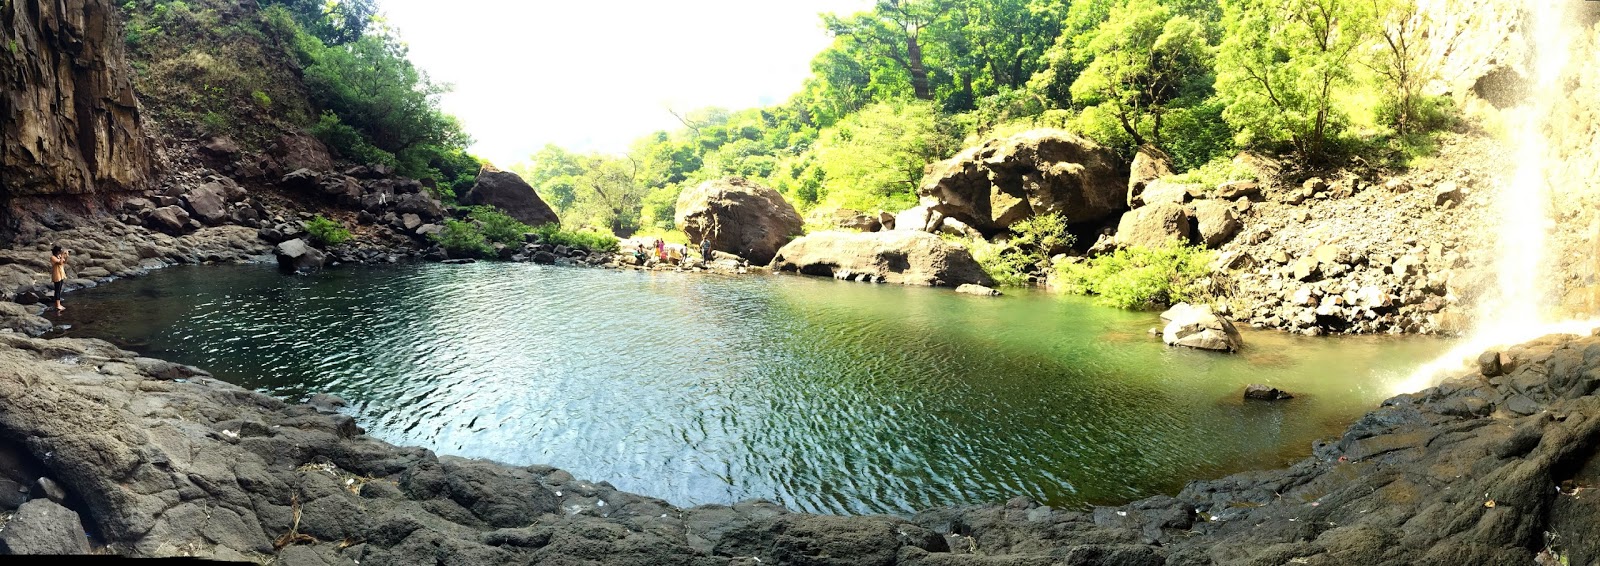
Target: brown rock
[[1149, 164], [1006, 180], [1217, 221], [1238, 189], [508, 192], [1154, 226], [740, 217], [300, 151]]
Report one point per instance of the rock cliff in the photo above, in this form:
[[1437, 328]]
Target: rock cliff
[[72, 125]]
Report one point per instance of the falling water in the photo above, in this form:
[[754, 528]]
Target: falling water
[[1518, 310]]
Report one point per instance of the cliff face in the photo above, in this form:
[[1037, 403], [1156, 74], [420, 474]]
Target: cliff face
[[71, 120]]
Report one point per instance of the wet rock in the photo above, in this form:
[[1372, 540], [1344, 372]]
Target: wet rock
[[298, 256], [980, 290], [1489, 364], [905, 257], [1258, 392], [1198, 327]]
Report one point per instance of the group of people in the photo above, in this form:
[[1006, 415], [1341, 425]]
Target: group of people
[[671, 254]]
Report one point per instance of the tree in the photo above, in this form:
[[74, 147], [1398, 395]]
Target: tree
[[1279, 63], [1398, 60], [609, 192], [335, 22], [874, 159], [894, 30], [1143, 58]]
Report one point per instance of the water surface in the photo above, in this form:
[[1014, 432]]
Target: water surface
[[825, 396]]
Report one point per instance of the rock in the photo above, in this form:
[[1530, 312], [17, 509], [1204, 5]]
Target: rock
[[980, 290], [1489, 364], [1217, 222], [1446, 193], [854, 220], [427, 230], [1331, 254], [327, 403], [1238, 189], [424, 206], [1006, 180], [42, 526], [886, 220], [955, 227], [410, 222], [300, 151], [1198, 327], [459, 261], [1233, 260], [221, 148], [508, 192], [1305, 268], [169, 219], [739, 217], [72, 127], [1167, 191], [905, 257], [1260, 392], [544, 257], [1314, 185], [207, 203], [1154, 226], [298, 256], [1149, 164]]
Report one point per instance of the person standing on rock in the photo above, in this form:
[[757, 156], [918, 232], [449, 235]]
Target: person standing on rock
[[58, 272], [705, 249]]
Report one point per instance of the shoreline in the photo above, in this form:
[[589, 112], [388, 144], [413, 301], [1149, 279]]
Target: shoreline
[[289, 445]]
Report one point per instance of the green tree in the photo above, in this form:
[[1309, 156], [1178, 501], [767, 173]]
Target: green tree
[[894, 30], [1280, 62], [1398, 60], [1143, 58], [874, 158]]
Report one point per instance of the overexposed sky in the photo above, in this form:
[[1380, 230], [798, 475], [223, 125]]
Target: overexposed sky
[[597, 74]]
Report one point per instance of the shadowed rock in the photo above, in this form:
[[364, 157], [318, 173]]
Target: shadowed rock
[[508, 192], [740, 217]]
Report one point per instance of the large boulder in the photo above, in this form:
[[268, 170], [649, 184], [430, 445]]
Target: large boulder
[[1149, 164], [1217, 221], [1198, 327], [207, 203], [1154, 225], [740, 217], [898, 256], [298, 256], [169, 219], [300, 151], [1006, 180], [508, 192]]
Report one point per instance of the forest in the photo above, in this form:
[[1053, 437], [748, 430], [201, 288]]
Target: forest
[[913, 81]]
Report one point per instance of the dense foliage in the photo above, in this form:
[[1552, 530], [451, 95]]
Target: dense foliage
[[325, 232], [1027, 254], [329, 67], [1139, 277], [912, 81]]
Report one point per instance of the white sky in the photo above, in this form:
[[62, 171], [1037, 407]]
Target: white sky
[[598, 74]]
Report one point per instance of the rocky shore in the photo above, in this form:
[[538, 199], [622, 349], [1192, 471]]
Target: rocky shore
[[1495, 466]]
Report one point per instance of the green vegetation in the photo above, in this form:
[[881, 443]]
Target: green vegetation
[[591, 240], [325, 232], [909, 82], [499, 227], [1139, 277], [208, 67], [1028, 252], [462, 239]]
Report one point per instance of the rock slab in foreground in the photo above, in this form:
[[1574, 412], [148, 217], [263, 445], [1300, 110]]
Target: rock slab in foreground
[[740, 217], [42, 526], [896, 256]]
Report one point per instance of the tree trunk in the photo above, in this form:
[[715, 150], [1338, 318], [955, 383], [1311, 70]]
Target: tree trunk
[[919, 73]]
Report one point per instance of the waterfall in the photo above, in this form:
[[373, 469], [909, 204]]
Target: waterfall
[[1519, 308]]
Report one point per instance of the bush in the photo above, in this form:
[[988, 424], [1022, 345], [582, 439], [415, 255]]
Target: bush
[[499, 227], [325, 232], [1140, 277], [462, 239], [1028, 251], [590, 240]]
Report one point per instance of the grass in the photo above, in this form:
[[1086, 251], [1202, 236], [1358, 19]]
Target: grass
[[325, 232]]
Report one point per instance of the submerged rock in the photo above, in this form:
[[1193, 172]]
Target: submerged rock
[[980, 290], [1260, 392]]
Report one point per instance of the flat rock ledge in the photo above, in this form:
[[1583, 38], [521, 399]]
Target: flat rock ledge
[[162, 460]]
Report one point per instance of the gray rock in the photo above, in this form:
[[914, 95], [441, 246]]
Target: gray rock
[[980, 290], [42, 526], [169, 219], [298, 256], [1198, 327], [1258, 392]]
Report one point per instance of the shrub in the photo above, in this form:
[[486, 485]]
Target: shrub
[[462, 239], [1028, 251], [593, 241], [262, 100], [1140, 277], [499, 227], [325, 232]]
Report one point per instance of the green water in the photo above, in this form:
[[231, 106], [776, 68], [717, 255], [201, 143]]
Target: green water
[[825, 396]]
